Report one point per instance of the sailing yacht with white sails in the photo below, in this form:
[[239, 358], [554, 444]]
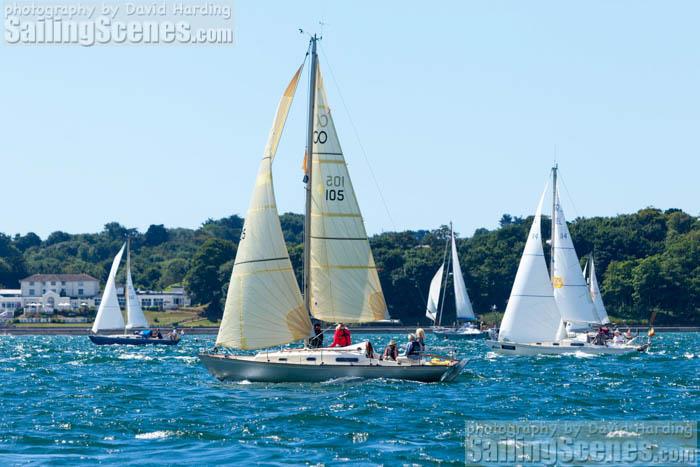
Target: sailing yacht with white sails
[[109, 315], [592, 281], [540, 307], [264, 305], [463, 306]]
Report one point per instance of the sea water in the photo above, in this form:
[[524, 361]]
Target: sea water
[[66, 401]]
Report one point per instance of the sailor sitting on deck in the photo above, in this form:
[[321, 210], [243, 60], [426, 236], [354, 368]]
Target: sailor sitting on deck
[[618, 339], [391, 352], [341, 338], [316, 341], [412, 348]]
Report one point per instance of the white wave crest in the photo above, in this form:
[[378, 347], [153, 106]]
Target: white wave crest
[[621, 434], [161, 434]]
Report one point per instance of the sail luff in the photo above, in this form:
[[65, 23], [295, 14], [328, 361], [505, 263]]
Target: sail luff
[[531, 314], [463, 305], [109, 315], [264, 306], [344, 284]]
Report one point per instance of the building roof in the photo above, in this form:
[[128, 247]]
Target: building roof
[[59, 277]]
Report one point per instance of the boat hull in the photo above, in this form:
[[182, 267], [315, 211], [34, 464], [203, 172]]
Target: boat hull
[[232, 368], [125, 340], [461, 335], [546, 348]]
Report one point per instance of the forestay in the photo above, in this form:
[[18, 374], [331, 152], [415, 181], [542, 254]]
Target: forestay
[[434, 294], [263, 304], [531, 314], [463, 305], [109, 315], [596, 297], [570, 288], [344, 285]]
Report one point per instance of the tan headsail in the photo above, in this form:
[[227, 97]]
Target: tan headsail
[[264, 305], [344, 285]]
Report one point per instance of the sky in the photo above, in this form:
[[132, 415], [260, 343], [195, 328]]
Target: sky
[[448, 111]]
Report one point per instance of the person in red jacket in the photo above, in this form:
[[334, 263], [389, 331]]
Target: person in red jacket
[[341, 338]]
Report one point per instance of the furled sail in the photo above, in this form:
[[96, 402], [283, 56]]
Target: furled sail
[[531, 314], [344, 284], [263, 304], [109, 315], [463, 305], [434, 294], [597, 298], [570, 289], [134, 313]]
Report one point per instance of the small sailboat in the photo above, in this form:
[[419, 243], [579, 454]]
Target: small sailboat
[[109, 315], [264, 305], [463, 306], [541, 307]]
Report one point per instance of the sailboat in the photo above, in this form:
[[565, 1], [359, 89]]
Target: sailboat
[[109, 315], [463, 306], [541, 307], [264, 305], [594, 291]]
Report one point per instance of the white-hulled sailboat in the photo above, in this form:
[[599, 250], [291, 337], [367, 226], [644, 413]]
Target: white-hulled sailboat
[[463, 306], [264, 306], [109, 316], [540, 308]]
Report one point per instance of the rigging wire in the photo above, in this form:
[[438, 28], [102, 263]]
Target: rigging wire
[[571, 199], [359, 141]]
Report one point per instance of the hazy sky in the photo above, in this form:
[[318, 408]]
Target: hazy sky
[[459, 105]]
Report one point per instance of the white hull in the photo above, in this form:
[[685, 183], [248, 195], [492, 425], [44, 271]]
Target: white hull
[[315, 365], [565, 346]]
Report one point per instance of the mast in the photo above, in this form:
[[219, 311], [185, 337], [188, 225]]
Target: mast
[[309, 174], [126, 285], [447, 276], [554, 217]]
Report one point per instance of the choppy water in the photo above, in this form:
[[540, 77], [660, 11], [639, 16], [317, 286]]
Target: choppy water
[[66, 401]]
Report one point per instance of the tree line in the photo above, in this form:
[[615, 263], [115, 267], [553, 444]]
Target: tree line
[[647, 261]]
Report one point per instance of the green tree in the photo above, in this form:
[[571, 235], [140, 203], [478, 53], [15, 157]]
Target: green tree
[[204, 281]]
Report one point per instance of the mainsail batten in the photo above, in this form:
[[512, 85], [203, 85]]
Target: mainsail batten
[[531, 314], [344, 284], [109, 315], [264, 306]]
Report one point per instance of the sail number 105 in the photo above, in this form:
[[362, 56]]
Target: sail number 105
[[335, 188]]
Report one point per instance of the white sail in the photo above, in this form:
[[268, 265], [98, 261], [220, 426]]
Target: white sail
[[134, 314], [531, 314], [570, 289], [463, 305], [263, 304], [596, 297], [109, 315], [434, 294], [344, 284]]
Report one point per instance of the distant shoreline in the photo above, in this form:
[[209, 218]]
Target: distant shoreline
[[80, 331]]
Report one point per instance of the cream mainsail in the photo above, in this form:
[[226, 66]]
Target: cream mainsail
[[570, 288], [263, 304], [344, 284], [134, 314], [109, 315], [434, 294], [531, 314]]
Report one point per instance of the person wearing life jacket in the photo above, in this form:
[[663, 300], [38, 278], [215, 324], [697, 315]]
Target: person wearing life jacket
[[341, 337], [412, 348], [420, 338]]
